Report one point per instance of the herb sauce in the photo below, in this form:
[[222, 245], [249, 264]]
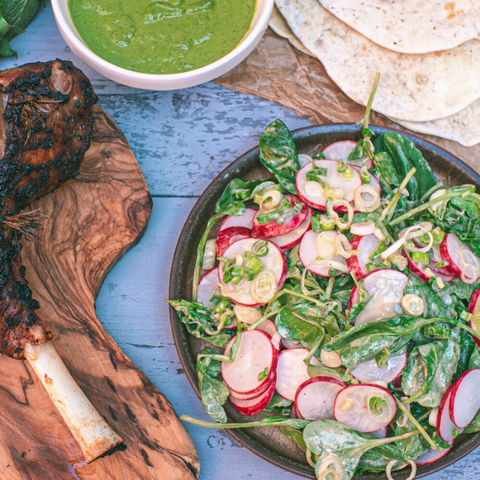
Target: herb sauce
[[168, 36]]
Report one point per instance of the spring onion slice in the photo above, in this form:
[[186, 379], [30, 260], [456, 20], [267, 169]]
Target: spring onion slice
[[367, 198]]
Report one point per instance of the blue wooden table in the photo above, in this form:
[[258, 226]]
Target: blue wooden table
[[182, 140]]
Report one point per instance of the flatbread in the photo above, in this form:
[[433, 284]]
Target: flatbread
[[279, 25], [414, 88], [411, 26], [463, 127]]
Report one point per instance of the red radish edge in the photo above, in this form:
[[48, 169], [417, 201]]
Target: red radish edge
[[313, 381], [228, 236], [357, 263], [288, 381], [226, 368], [255, 405], [319, 203], [444, 422], [395, 371], [273, 229], [448, 256], [339, 150], [340, 415], [472, 306], [308, 253], [431, 456], [463, 409], [293, 238], [245, 220], [207, 286], [280, 279]]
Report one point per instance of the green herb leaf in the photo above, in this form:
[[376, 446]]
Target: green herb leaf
[[263, 375], [278, 154], [15, 16], [237, 192], [376, 405], [213, 392]]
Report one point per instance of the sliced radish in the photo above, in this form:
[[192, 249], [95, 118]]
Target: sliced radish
[[273, 262], [385, 288], [462, 261], [255, 394], [293, 238], [339, 150], [292, 371], [228, 236], [445, 425], [315, 398], [474, 309], [273, 229], [420, 269], [254, 366], [352, 407], [308, 255], [383, 433], [373, 180], [366, 245], [207, 286], [245, 220], [465, 398], [367, 372], [313, 194], [437, 258], [431, 456], [287, 344], [269, 327], [255, 405]]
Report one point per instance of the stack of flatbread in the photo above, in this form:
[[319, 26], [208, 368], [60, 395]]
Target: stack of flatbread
[[427, 52]]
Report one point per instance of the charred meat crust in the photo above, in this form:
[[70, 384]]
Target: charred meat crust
[[45, 130]]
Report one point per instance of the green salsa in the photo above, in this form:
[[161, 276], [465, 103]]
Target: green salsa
[[167, 36]]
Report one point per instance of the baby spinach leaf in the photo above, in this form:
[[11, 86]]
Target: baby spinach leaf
[[366, 341], [412, 447], [406, 155], [295, 435], [341, 448], [474, 361], [199, 322], [279, 405], [15, 16], [387, 174], [474, 425], [435, 305], [213, 392], [292, 324], [360, 151], [430, 370], [467, 350], [377, 459], [278, 154], [237, 192], [393, 145]]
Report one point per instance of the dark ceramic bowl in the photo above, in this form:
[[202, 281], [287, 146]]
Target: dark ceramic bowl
[[270, 443]]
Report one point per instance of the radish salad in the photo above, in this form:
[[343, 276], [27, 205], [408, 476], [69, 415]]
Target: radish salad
[[339, 300]]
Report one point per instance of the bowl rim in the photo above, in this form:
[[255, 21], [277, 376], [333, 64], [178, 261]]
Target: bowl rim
[[175, 324], [261, 16]]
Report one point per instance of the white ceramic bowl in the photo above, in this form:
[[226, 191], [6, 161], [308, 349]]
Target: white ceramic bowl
[[168, 81]]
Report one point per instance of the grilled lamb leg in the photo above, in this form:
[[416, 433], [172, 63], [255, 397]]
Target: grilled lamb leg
[[45, 129]]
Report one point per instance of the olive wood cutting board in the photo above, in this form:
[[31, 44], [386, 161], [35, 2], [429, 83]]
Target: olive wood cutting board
[[93, 220]]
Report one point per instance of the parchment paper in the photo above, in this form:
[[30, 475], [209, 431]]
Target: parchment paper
[[277, 71]]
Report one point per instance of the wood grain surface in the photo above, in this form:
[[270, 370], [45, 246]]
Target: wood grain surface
[[92, 221]]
